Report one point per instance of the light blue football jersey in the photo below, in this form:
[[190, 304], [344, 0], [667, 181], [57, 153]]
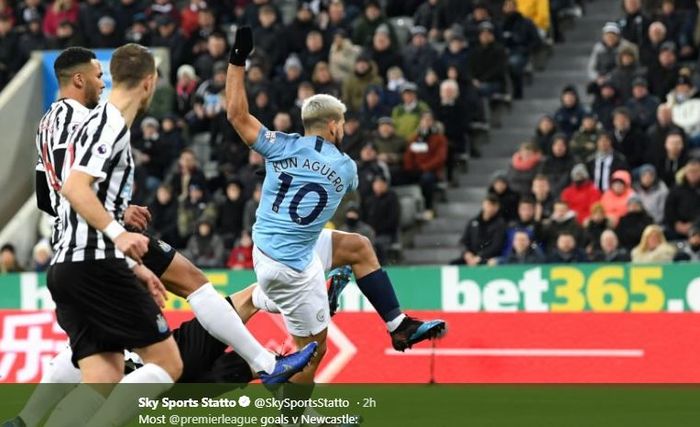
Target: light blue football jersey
[[306, 179]]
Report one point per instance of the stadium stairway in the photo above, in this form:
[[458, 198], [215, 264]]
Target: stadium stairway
[[437, 242]]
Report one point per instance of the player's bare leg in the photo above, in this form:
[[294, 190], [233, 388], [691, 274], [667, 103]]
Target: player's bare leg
[[357, 251]]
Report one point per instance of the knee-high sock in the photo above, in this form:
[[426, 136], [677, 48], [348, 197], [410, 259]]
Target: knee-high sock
[[263, 302], [122, 403], [76, 408], [221, 321], [378, 289]]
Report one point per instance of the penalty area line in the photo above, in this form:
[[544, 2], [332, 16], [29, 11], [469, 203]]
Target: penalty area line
[[519, 352]]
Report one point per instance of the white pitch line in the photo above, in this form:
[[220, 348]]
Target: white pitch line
[[519, 352]]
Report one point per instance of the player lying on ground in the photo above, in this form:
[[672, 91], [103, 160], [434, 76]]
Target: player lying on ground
[[79, 77], [307, 177], [204, 360]]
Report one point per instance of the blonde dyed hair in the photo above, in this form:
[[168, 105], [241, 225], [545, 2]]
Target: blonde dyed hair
[[318, 110]]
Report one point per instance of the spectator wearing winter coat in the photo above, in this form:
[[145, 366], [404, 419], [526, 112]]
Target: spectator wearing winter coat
[[582, 144], [683, 202], [581, 193], [286, 86], [382, 52], [615, 199], [649, 52], [603, 58], [570, 114], [632, 224], [610, 250], [269, 36], [241, 256], [407, 115], [354, 87], [562, 220], [627, 69], [604, 162], [432, 15], [342, 56], [425, 157], [629, 140], [526, 222], [60, 11], [524, 165], [390, 147], [163, 210], [634, 25], [229, 222], [508, 199], [663, 72], [566, 250], [642, 106], [521, 39], [488, 62], [685, 104], [544, 133], [419, 55], [373, 107], [658, 132], [544, 199], [367, 25], [484, 235], [689, 250], [250, 209], [594, 226], [205, 248], [607, 100], [558, 164], [194, 208], [653, 247], [521, 251], [672, 159], [652, 192], [383, 215]]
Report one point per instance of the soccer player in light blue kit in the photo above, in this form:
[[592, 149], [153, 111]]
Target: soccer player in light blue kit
[[307, 177]]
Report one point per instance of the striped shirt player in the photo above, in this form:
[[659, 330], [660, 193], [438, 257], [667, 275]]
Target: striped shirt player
[[52, 137], [100, 147]]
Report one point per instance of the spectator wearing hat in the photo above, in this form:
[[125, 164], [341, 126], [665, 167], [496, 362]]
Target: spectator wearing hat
[[484, 235], [205, 248], [683, 202], [521, 39], [406, 116], [558, 164], [268, 35], [355, 86], [603, 59], [507, 198], [367, 24], [524, 165], [107, 36], [89, 15], [480, 13], [607, 100], [562, 220], [521, 251], [432, 15], [652, 192], [627, 69], [615, 199], [566, 250], [168, 36], [642, 105], [663, 72], [287, 84], [57, 12], [631, 225], [342, 56], [390, 147], [569, 115], [215, 52], [610, 250], [596, 223], [33, 38], [383, 214], [488, 62], [604, 162], [425, 158], [649, 52], [653, 247], [629, 140], [634, 25], [689, 250], [241, 256], [673, 158], [385, 54], [352, 223], [419, 55], [581, 193], [582, 144]]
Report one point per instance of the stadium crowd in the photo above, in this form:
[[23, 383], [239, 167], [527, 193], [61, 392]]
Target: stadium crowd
[[593, 182]]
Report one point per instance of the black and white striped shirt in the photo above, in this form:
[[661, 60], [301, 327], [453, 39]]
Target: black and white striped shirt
[[60, 121], [100, 148]]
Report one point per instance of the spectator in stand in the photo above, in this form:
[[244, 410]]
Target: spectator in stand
[[581, 194], [353, 224], [615, 199], [558, 165], [583, 143], [342, 56], [424, 159], [314, 52], [455, 54], [323, 81], [163, 7], [673, 20], [521, 251], [627, 69], [658, 131], [683, 202], [538, 11], [383, 215], [152, 153], [524, 165], [653, 247], [382, 52], [526, 223], [367, 25], [229, 222], [685, 104], [507, 198], [41, 256], [429, 89], [168, 36], [216, 52], [394, 82], [432, 15], [570, 114], [207, 26], [286, 86], [189, 17], [649, 52], [605, 102], [295, 33], [252, 11], [187, 82], [594, 226], [672, 159], [205, 248], [566, 250], [368, 168], [419, 55], [8, 259], [521, 39], [355, 86], [652, 192], [450, 113], [163, 210], [480, 14], [335, 19], [488, 62], [27, 10], [635, 24], [407, 115], [33, 38], [57, 12], [628, 140], [251, 206], [188, 173], [562, 220], [603, 58], [241, 256], [89, 15], [484, 235], [544, 200], [268, 35], [663, 72], [689, 250], [642, 106], [610, 250], [605, 162], [354, 136], [140, 33], [373, 107], [9, 51], [632, 224], [195, 207], [544, 133], [126, 12], [391, 148]]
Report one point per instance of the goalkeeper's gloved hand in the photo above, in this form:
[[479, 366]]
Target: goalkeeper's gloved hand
[[242, 46]]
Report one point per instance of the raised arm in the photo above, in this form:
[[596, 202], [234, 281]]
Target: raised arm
[[247, 126]]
